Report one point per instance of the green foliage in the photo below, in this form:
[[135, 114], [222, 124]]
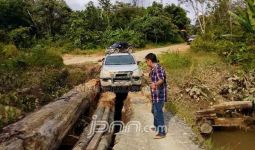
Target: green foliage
[[9, 51], [21, 37], [234, 42], [13, 59], [105, 4], [123, 14], [8, 114], [134, 38], [41, 56], [233, 52], [52, 20], [53, 85], [13, 13], [155, 10], [49, 16], [3, 36], [175, 61], [156, 29], [246, 18], [178, 16]]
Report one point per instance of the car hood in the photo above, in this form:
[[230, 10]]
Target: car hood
[[118, 68]]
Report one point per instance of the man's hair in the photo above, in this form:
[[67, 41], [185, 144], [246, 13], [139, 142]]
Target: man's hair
[[152, 57]]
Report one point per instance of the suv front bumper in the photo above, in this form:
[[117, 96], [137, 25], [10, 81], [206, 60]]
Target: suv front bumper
[[112, 84]]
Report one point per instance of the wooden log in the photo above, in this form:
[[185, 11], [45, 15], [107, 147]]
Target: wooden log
[[106, 101], [97, 137], [234, 105], [86, 135], [206, 111], [45, 128], [206, 128], [228, 122], [207, 116], [107, 138], [220, 108]]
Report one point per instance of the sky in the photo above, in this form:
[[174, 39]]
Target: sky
[[80, 5]]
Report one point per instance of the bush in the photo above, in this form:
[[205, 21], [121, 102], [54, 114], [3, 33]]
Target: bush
[[1, 47], [156, 29], [8, 114], [10, 51], [3, 36], [53, 85], [42, 57], [233, 52], [21, 37]]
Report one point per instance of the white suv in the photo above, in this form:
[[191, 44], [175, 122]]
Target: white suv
[[120, 71]]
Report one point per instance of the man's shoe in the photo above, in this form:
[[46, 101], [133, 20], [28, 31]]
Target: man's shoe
[[159, 136]]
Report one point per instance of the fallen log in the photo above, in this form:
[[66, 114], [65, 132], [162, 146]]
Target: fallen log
[[87, 135], [206, 128], [234, 105], [97, 137], [46, 128], [228, 122], [106, 105], [220, 108], [106, 139], [207, 116]]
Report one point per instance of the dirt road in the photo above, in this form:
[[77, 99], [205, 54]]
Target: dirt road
[[179, 136], [79, 59], [137, 136]]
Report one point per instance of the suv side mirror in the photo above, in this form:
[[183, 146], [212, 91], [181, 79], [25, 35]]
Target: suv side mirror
[[101, 60]]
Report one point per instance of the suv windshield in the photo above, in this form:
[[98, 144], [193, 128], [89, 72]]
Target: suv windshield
[[120, 60]]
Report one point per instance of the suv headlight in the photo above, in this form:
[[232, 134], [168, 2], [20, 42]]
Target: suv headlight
[[137, 73], [105, 74]]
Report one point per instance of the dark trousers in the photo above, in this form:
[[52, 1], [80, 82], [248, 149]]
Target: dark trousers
[[157, 111]]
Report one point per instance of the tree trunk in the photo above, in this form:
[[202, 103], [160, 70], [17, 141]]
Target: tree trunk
[[97, 137], [226, 106], [229, 122], [46, 128], [87, 134], [106, 139], [234, 105], [89, 139]]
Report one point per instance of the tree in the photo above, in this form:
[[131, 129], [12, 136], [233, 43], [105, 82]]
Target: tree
[[156, 28], [123, 14], [13, 14], [178, 16], [155, 10], [49, 16], [86, 27], [200, 8], [105, 4], [246, 17]]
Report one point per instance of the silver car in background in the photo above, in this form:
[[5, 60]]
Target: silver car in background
[[120, 72], [191, 39]]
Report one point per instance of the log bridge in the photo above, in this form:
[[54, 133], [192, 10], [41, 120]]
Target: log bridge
[[46, 128], [227, 114]]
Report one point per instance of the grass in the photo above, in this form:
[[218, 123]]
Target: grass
[[187, 69]]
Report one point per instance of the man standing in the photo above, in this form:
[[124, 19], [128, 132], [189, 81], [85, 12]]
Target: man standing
[[158, 93]]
